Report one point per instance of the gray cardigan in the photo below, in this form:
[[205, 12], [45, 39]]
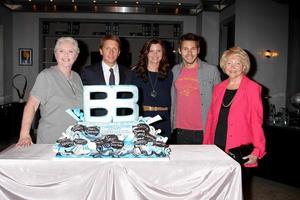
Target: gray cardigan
[[209, 76]]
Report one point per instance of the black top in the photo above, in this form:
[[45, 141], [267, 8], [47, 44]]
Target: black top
[[221, 129], [162, 99]]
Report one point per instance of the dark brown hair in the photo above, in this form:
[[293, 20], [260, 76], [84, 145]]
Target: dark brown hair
[[110, 37], [143, 61], [189, 37]]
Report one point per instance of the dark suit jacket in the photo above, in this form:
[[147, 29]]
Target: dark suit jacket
[[93, 75]]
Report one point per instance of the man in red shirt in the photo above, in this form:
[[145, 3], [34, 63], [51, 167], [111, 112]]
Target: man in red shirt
[[191, 91]]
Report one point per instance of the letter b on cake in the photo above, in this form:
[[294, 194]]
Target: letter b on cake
[[101, 102]]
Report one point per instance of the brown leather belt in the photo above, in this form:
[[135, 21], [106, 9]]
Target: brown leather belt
[[154, 108]]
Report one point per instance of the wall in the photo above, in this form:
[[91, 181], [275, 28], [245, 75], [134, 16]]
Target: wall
[[198, 24], [227, 16], [210, 33], [5, 56], [293, 72], [26, 34], [256, 30], [227, 12], [207, 27], [263, 25]]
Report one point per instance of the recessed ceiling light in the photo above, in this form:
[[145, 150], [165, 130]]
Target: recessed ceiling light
[[179, 4], [137, 2], [116, 2], [158, 3]]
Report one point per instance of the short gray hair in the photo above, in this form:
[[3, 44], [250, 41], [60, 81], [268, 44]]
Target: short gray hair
[[70, 40]]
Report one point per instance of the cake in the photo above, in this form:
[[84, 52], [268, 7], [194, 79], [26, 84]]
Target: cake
[[111, 136]]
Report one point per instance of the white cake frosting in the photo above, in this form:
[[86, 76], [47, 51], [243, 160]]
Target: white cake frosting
[[111, 136]]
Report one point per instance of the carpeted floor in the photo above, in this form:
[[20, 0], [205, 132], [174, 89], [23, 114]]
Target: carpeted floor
[[263, 189]]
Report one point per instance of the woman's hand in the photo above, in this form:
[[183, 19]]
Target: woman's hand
[[25, 141], [252, 159], [28, 115]]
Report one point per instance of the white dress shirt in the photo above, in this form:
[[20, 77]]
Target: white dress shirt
[[106, 73]]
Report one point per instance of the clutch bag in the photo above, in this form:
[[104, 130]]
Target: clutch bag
[[237, 153]]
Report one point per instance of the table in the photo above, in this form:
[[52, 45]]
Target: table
[[193, 172]]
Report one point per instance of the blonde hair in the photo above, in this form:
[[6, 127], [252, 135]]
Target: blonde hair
[[70, 40], [236, 51]]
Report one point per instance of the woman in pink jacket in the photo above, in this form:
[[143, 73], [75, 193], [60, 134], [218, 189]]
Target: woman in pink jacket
[[236, 115]]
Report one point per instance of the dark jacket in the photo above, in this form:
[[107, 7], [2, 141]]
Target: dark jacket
[[93, 75]]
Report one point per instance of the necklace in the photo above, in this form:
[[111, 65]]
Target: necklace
[[153, 92], [229, 94], [229, 104]]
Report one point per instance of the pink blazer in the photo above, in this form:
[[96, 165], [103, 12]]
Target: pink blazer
[[245, 117]]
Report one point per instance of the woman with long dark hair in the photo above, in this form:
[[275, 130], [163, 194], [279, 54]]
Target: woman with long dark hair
[[153, 77]]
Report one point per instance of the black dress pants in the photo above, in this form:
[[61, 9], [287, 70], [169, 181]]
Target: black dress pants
[[184, 136]]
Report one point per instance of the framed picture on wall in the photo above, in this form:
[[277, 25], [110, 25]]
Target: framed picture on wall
[[25, 56]]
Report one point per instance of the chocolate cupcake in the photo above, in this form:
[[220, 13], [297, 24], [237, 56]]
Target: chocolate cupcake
[[92, 130], [141, 126], [78, 127], [110, 138], [150, 137], [80, 141], [65, 142], [159, 144], [140, 142], [117, 144]]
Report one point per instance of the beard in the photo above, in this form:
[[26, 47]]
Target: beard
[[190, 62]]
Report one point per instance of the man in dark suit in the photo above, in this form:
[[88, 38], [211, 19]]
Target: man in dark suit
[[107, 72], [100, 73]]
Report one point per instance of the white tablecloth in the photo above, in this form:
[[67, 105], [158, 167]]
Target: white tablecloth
[[193, 172]]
